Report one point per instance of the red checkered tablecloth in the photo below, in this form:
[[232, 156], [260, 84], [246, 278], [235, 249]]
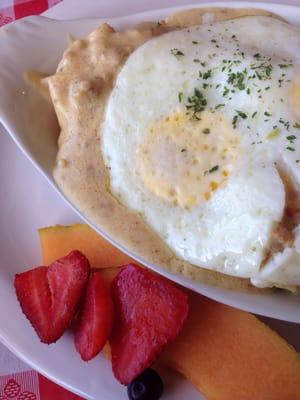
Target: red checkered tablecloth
[[17, 380], [29, 385], [15, 9]]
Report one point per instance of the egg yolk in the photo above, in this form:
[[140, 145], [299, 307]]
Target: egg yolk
[[295, 96], [184, 161]]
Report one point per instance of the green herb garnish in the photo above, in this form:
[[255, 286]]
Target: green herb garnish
[[237, 79], [177, 52], [196, 103], [206, 74], [234, 121], [285, 65], [226, 91], [262, 70], [213, 169], [241, 114]]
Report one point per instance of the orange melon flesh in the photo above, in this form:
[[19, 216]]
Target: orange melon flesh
[[57, 241], [227, 354]]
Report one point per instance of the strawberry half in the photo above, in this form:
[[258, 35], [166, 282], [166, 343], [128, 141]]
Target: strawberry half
[[35, 300], [49, 296], [67, 278], [150, 313], [95, 320]]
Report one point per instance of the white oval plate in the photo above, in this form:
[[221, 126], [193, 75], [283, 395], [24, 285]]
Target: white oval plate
[[28, 202], [38, 43]]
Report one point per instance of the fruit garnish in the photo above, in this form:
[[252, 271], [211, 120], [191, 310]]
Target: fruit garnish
[[151, 312], [229, 354], [147, 386], [49, 296], [95, 319], [58, 240], [224, 352]]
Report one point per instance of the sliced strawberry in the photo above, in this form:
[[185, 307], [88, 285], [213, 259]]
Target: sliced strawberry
[[35, 300], [95, 320], [150, 313], [67, 278], [49, 296]]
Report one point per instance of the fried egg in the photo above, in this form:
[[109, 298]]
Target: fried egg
[[197, 123]]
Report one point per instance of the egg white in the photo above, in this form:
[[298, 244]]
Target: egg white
[[231, 231]]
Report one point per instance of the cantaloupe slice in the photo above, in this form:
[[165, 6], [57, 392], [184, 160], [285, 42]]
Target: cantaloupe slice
[[57, 241], [227, 354]]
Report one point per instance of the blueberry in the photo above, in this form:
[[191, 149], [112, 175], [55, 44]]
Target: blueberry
[[147, 386]]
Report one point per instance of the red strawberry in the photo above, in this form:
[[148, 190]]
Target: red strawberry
[[49, 296], [96, 319], [67, 278], [34, 297], [150, 313]]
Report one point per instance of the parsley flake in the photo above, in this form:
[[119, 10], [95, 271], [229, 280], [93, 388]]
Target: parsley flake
[[262, 70], [176, 52], [285, 65], [234, 121], [207, 74], [213, 169], [226, 91], [196, 103], [241, 114], [237, 79]]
